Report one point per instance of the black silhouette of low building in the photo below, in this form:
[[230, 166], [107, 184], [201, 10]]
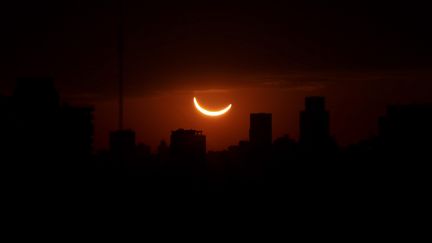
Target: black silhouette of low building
[[4, 125], [260, 130], [35, 95], [314, 124], [407, 128], [36, 124], [122, 147], [143, 153], [41, 133], [77, 129], [162, 152], [189, 145], [284, 148]]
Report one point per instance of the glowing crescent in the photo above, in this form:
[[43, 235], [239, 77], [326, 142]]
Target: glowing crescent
[[211, 113]]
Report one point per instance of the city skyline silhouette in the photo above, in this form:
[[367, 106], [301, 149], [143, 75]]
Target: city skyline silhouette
[[325, 100], [314, 119], [260, 57], [41, 138]]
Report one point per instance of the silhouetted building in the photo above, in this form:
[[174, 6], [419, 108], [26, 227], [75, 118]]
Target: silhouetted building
[[122, 148], [162, 148], [260, 130], [284, 146], [143, 152], [36, 95], [4, 111], [188, 145], [36, 124], [162, 152], [407, 127], [3, 104], [142, 157], [77, 129], [314, 123], [5, 125], [41, 133], [122, 141]]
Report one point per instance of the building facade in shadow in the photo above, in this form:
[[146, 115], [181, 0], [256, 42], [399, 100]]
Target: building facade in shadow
[[122, 148], [405, 133], [43, 135], [260, 130], [188, 145], [315, 126]]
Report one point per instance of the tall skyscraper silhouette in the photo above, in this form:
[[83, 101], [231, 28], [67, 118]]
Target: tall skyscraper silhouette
[[314, 122], [260, 130]]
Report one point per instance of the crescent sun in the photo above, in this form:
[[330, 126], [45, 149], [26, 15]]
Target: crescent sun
[[210, 113]]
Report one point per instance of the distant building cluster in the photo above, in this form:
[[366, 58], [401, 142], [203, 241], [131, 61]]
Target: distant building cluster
[[38, 133]]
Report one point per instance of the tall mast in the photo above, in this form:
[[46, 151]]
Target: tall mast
[[120, 57]]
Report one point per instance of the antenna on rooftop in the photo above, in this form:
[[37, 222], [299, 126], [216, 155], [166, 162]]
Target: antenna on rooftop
[[120, 60]]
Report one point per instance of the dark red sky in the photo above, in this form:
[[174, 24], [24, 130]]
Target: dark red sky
[[264, 56]]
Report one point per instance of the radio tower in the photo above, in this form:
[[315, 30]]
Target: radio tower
[[120, 56], [122, 141]]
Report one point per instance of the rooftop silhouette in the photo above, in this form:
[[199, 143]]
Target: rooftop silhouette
[[188, 144], [315, 124], [260, 130]]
